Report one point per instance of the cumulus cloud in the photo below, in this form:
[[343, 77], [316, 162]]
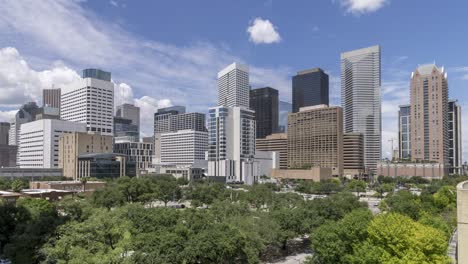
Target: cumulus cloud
[[19, 83], [262, 31], [358, 7], [185, 75]]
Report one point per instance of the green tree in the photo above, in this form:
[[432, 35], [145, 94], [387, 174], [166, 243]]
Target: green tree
[[403, 202], [357, 186], [18, 184], [446, 197], [109, 196]]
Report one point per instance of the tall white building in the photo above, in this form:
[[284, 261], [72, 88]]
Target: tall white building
[[39, 142], [233, 86], [231, 143], [361, 100], [90, 100], [184, 147]]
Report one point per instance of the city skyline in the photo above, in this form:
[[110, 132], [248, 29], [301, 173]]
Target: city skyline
[[398, 60]]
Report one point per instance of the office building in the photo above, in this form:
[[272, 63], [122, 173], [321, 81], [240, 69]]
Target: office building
[[429, 114], [361, 100], [462, 222], [129, 111], [404, 132], [51, 98], [315, 138], [90, 100], [124, 129], [429, 171], [183, 171], [285, 109], [72, 145], [233, 86], [25, 114], [39, 142], [173, 119], [231, 144], [4, 130], [48, 112], [264, 101], [277, 143], [140, 153], [455, 137], [184, 147], [96, 74], [353, 155], [105, 165], [8, 155], [309, 88]]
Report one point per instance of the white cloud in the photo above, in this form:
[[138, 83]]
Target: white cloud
[[19, 83], [6, 116], [262, 31], [358, 7], [185, 75]]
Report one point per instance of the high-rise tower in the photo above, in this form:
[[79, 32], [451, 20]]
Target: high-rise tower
[[233, 86], [309, 88]]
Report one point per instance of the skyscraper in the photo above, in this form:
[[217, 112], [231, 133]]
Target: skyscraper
[[27, 113], [4, 130], [404, 132], [309, 88], [361, 100], [129, 111], [233, 86], [315, 138], [264, 101], [455, 136], [51, 98], [231, 143], [90, 100], [429, 114]]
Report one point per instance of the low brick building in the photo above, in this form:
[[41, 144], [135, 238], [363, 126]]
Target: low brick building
[[315, 174], [74, 186], [402, 169]]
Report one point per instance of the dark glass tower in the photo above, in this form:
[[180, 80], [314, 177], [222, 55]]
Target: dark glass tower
[[264, 101], [309, 87]]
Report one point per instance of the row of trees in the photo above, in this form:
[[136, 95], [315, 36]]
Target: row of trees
[[120, 224]]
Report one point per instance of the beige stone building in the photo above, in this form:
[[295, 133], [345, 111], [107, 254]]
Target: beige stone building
[[275, 142], [462, 219], [315, 138], [353, 155], [426, 170], [315, 174], [76, 186], [74, 144], [429, 114]]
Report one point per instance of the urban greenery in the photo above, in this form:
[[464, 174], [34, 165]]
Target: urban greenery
[[165, 220]]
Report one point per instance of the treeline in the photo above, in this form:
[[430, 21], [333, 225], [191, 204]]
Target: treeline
[[130, 221]]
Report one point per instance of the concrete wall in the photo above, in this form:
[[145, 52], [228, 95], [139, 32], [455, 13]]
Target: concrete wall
[[462, 219]]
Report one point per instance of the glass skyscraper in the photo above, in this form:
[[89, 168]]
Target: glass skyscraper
[[361, 100], [404, 132], [309, 88], [264, 101]]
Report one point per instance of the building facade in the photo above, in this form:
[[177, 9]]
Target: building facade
[[125, 129], [404, 132], [429, 170], [27, 113], [309, 88], [233, 86], [462, 222], [455, 137], [8, 156], [184, 147], [275, 142], [315, 138], [90, 100], [264, 101], [51, 98], [429, 114], [231, 143], [353, 155], [39, 142], [139, 152], [129, 111], [361, 100], [72, 145], [4, 130], [105, 165]]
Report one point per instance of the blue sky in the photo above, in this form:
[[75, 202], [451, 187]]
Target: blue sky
[[168, 52]]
